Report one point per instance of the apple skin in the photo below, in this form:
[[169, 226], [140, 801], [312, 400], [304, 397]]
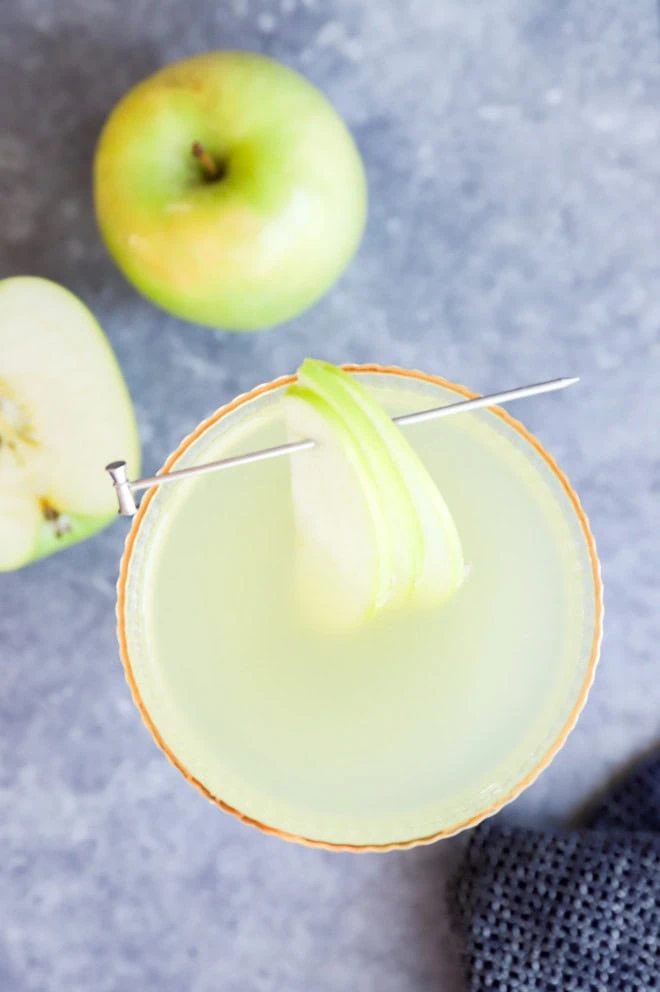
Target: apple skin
[[49, 542], [373, 530], [271, 235], [80, 528]]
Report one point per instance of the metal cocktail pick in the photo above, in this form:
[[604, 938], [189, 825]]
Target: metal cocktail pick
[[125, 488]]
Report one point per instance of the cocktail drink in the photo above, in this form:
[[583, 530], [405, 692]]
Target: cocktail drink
[[398, 728]]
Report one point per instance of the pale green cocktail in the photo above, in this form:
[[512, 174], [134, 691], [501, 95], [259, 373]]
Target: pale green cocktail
[[414, 725]]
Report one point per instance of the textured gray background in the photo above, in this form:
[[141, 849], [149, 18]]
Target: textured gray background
[[513, 152]]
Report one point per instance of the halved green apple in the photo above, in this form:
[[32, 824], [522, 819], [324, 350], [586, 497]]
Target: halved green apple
[[373, 529], [64, 412]]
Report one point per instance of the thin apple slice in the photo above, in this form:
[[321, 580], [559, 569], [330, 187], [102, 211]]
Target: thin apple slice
[[64, 412], [343, 553], [403, 543], [443, 566], [404, 527]]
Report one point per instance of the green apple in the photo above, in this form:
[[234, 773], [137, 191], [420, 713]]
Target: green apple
[[64, 412], [443, 566], [404, 530], [229, 190], [372, 528], [343, 551]]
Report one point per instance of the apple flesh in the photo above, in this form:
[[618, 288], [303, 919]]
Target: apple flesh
[[404, 531], [229, 191], [372, 529], [442, 564], [343, 552], [64, 412]]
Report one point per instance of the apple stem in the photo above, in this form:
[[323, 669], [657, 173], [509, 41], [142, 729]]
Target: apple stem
[[206, 161]]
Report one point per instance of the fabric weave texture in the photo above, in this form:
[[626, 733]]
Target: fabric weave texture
[[573, 910]]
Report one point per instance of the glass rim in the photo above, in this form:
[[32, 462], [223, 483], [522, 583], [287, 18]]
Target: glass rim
[[445, 832]]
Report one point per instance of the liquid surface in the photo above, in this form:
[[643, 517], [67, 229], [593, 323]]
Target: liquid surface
[[410, 725]]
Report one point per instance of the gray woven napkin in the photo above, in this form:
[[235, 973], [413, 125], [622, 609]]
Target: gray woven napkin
[[576, 911]]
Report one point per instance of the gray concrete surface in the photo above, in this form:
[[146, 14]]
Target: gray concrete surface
[[513, 152]]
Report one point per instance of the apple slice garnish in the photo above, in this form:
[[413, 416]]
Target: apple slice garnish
[[372, 528], [405, 533], [443, 567], [343, 547], [64, 412]]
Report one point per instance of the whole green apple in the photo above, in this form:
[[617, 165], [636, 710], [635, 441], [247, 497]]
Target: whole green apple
[[229, 190], [64, 412]]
